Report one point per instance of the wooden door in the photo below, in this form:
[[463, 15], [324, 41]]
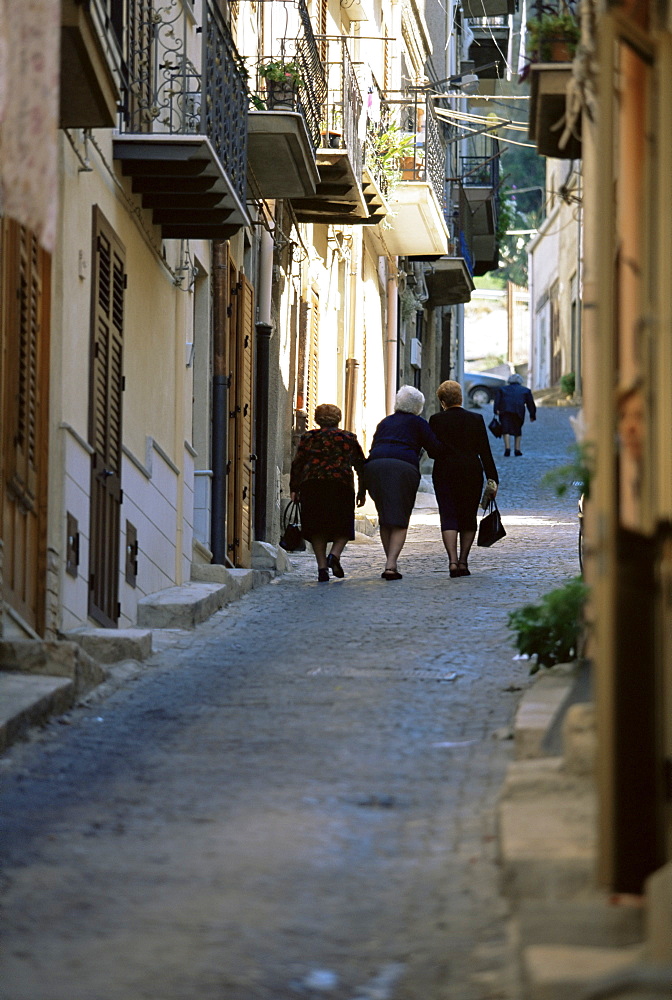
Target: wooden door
[[244, 443], [106, 386], [24, 381], [241, 458]]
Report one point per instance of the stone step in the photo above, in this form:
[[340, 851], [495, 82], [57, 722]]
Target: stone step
[[29, 700], [600, 921], [108, 645], [539, 708], [52, 658], [560, 972], [546, 825], [212, 588]]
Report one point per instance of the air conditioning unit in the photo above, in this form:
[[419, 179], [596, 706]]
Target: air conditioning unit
[[416, 352]]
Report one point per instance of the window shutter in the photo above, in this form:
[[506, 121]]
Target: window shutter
[[105, 416], [312, 359]]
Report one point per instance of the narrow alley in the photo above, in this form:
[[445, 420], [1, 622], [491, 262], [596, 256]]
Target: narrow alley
[[296, 799]]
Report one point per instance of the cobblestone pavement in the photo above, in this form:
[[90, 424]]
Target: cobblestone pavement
[[295, 800]]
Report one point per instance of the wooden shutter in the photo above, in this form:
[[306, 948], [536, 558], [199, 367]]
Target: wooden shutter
[[312, 357], [105, 408], [322, 12], [24, 339], [244, 449], [241, 459], [232, 539]]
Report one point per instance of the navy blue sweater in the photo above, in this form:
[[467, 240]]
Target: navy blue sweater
[[403, 436]]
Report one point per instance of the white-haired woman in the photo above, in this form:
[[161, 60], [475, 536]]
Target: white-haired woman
[[392, 472]]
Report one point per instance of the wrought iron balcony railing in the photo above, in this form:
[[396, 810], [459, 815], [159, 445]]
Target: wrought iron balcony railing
[[179, 82], [311, 89], [378, 121], [342, 111], [480, 171], [427, 160]]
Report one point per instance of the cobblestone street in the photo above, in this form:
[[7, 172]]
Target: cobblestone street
[[296, 799]]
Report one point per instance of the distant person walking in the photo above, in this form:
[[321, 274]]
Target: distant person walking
[[321, 477], [458, 474], [392, 472], [510, 403]]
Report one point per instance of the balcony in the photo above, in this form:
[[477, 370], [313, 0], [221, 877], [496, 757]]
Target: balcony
[[339, 195], [416, 225], [450, 279], [284, 131], [90, 66], [480, 181], [183, 136], [490, 46], [548, 101]]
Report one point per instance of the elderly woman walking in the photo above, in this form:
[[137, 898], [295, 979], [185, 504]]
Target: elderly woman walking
[[458, 474], [510, 403], [392, 472], [321, 477]]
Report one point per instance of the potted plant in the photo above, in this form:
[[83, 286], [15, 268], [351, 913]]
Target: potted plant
[[283, 79], [394, 150], [553, 36]]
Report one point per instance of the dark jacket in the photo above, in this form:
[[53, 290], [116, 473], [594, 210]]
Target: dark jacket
[[326, 453], [513, 399], [403, 436], [467, 454]]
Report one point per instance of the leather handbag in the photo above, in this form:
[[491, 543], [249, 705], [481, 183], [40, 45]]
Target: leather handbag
[[491, 529], [292, 539], [495, 427]]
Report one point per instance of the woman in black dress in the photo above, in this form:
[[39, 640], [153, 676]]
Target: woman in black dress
[[458, 474], [322, 479]]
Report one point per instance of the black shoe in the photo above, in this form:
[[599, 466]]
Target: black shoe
[[334, 564], [323, 576], [507, 453], [453, 572], [517, 453], [463, 569]]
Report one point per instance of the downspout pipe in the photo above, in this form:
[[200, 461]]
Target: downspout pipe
[[264, 330], [392, 342], [221, 383]]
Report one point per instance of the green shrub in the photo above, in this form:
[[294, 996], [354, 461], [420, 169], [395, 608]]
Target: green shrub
[[551, 630], [568, 383]]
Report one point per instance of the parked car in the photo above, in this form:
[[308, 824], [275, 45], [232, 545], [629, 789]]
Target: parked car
[[480, 387]]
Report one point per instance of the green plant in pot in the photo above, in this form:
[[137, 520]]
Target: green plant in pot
[[390, 148], [551, 631], [283, 79], [553, 37]]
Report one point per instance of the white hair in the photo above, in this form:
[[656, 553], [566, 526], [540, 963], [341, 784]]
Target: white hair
[[409, 400]]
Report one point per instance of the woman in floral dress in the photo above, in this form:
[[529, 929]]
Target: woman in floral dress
[[322, 479]]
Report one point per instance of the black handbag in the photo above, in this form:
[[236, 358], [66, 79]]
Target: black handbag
[[491, 529], [292, 539], [495, 427]]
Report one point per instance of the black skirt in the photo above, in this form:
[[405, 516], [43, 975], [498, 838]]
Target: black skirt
[[327, 509], [393, 485], [511, 423]]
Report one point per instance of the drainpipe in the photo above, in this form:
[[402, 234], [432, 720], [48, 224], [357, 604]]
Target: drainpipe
[[220, 416], [264, 328], [351, 363], [351, 377], [391, 352]]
